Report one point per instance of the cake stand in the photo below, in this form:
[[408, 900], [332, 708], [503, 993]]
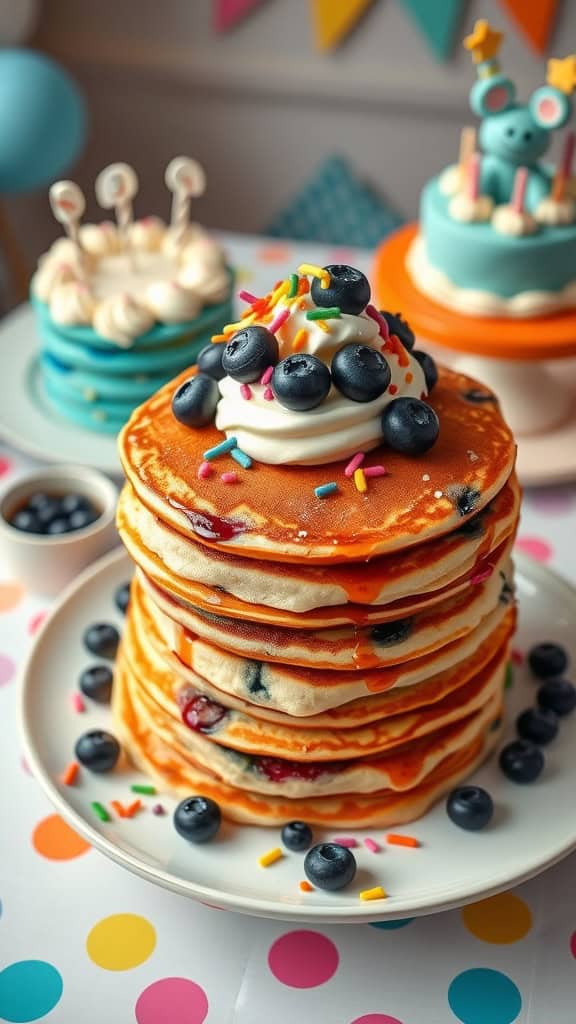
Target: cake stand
[[530, 364]]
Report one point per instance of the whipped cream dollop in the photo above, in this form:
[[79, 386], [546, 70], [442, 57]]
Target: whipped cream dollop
[[149, 276], [338, 427]]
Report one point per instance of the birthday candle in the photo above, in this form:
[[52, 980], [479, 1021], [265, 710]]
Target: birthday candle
[[186, 179], [473, 176], [116, 187], [67, 203], [467, 148], [564, 169], [519, 190]]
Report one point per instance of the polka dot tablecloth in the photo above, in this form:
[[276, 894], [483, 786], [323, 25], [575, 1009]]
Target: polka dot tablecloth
[[81, 940]]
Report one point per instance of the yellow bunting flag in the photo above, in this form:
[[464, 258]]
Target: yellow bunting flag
[[335, 19]]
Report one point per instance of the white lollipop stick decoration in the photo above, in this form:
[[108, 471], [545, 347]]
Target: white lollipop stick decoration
[[116, 187], [185, 179], [67, 203]]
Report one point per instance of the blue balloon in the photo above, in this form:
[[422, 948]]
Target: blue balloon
[[42, 120]]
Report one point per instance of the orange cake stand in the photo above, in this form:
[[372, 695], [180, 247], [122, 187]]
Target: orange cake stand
[[530, 364]]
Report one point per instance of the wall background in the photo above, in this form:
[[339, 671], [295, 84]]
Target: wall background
[[259, 107]]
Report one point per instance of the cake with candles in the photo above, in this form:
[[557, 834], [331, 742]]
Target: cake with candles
[[497, 233], [124, 305], [321, 522]]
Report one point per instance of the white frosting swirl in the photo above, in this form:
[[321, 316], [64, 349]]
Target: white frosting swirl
[[51, 274], [72, 303], [100, 239], [147, 234], [121, 319], [508, 221], [170, 302], [334, 430], [471, 211], [555, 212], [174, 244]]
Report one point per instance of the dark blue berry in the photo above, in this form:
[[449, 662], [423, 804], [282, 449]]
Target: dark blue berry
[[96, 683], [521, 761], [557, 695], [388, 633], [547, 660], [410, 426], [210, 360], [301, 382], [48, 512], [75, 503], [102, 639], [330, 866], [194, 402], [97, 750], [537, 725], [348, 289], [26, 521], [465, 499], [249, 353], [122, 597], [398, 326], [297, 836], [360, 373], [478, 397], [58, 526], [429, 367], [470, 807], [82, 518], [197, 819], [38, 499]]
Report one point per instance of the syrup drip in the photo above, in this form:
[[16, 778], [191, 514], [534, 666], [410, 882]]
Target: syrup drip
[[211, 527]]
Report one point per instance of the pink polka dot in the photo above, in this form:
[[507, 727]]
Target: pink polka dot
[[342, 255], [25, 766], [36, 621], [7, 669], [5, 466], [376, 1018], [303, 959], [535, 548], [573, 945], [172, 1001]]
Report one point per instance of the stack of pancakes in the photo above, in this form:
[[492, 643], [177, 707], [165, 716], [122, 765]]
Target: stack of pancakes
[[337, 660]]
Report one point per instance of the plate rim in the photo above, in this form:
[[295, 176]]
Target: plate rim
[[253, 906]]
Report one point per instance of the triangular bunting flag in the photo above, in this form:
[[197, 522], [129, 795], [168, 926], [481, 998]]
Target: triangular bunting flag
[[534, 18], [438, 22], [228, 13], [335, 19]]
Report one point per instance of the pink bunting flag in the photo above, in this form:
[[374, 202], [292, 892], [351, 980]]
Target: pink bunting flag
[[229, 13]]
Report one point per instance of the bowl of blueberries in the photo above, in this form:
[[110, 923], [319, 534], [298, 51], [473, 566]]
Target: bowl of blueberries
[[53, 523]]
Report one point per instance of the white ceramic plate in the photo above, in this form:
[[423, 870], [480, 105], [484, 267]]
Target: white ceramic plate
[[27, 420], [534, 826]]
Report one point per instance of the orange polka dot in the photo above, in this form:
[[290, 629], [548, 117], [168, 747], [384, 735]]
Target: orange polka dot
[[10, 595], [275, 254], [54, 839]]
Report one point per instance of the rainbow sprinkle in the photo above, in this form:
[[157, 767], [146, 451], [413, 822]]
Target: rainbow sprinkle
[[267, 376], [158, 810], [229, 478], [246, 392], [354, 463], [371, 845], [305, 886], [330, 313], [325, 489], [220, 449], [384, 330], [204, 471], [269, 395], [360, 481], [377, 893], [78, 704], [247, 296], [300, 339], [270, 857], [70, 774], [348, 841], [241, 458], [280, 318], [144, 790], [293, 289], [100, 811], [314, 271], [397, 840], [372, 471]]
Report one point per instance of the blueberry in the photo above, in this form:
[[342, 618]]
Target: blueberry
[[82, 518], [465, 499], [194, 402], [97, 750], [348, 289], [470, 807], [58, 526], [122, 597], [96, 683], [197, 819], [301, 382], [388, 633], [478, 397], [26, 520], [330, 866], [49, 511], [360, 373], [410, 426], [521, 761], [557, 695], [37, 500], [429, 367], [297, 836], [210, 360], [249, 353], [537, 725], [102, 639], [547, 660], [75, 503], [398, 326]]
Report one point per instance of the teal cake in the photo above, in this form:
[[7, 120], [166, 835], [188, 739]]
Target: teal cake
[[121, 308], [498, 230]]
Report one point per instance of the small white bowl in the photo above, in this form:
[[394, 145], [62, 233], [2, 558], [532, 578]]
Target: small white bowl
[[46, 564]]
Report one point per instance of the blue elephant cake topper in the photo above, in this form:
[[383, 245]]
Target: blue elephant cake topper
[[506, 182]]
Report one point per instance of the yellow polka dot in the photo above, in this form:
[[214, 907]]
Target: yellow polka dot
[[120, 942], [500, 920]]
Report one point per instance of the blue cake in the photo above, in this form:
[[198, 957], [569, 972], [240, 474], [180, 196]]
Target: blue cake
[[121, 308], [498, 229]]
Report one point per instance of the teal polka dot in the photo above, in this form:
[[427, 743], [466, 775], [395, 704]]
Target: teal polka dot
[[29, 989], [482, 996], [391, 926]]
